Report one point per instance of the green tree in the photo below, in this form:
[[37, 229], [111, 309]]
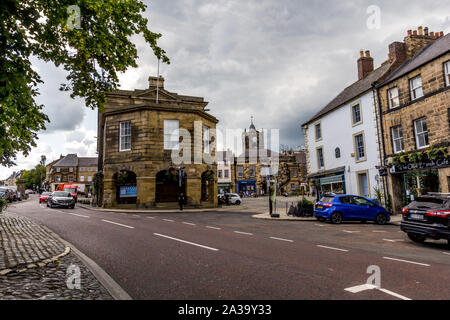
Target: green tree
[[89, 39], [33, 176]]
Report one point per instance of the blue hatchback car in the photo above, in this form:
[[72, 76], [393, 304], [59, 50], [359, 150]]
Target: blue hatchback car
[[343, 207]]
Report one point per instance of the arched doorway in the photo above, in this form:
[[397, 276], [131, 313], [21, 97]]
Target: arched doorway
[[169, 184], [126, 188], [208, 186]]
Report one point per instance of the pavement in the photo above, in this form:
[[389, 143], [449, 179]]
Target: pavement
[[34, 263], [230, 255]]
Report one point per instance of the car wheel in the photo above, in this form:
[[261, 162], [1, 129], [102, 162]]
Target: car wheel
[[416, 238], [336, 218], [380, 219], [237, 202]]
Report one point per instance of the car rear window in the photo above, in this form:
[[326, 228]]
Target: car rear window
[[430, 200], [62, 194], [327, 199]]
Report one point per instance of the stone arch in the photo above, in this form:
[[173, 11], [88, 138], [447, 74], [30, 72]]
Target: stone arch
[[125, 187], [170, 183], [208, 177]]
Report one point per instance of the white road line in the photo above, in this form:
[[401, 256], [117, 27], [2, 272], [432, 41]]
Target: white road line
[[119, 224], [332, 248], [188, 242], [135, 215], [168, 220], [446, 253], [275, 238], [319, 225], [379, 231], [393, 240], [350, 231], [189, 223], [367, 286], [215, 228], [151, 217], [240, 232], [76, 214], [418, 263]]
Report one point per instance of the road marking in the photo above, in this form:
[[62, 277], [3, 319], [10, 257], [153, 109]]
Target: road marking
[[367, 286], [189, 223], [350, 231], [168, 220], [393, 240], [418, 263], [135, 215], [319, 225], [379, 231], [76, 214], [151, 217], [275, 238], [119, 224], [188, 242], [240, 232], [332, 248], [446, 253], [215, 228]]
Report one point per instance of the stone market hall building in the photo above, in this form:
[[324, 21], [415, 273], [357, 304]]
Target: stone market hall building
[[138, 131]]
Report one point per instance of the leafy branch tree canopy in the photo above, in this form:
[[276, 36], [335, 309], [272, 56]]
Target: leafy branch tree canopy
[[92, 43]]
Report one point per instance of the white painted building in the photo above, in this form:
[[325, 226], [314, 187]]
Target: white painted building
[[342, 138], [224, 174]]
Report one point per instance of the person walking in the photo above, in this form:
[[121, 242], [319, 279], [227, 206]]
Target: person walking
[[181, 201]]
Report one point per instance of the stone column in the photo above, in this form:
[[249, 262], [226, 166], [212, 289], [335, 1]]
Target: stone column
[[194, 190], [146, 188], [395, 191], [109, 196]]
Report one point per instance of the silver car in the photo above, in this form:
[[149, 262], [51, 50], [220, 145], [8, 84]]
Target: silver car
[[61, 199], [234, 198]]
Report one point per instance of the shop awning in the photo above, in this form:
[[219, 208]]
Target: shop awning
[[332, 179]]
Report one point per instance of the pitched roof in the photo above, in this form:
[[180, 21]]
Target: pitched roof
[[352, 91], [431, 51], [71, 160], [88, 162]]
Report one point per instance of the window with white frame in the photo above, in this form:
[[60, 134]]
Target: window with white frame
[[320, 161], [447, 73], [125, 136], [226, 173], [393, 98], [356, 114], [82, 178], [240, 170], [82, 169], [415, 85], [397, 139], [70, 169], [70, 178], [421, 133], [171, 134], [359, 147], [58, 169], [206, 139], [220, 173], [89, 169], [252, 171], [90, 178], [318, 131], [57, 178]]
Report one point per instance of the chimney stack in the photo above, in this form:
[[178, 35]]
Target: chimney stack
[[417, 39], [365, 64]]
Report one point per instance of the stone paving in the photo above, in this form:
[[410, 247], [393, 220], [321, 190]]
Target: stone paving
[[34, 264]]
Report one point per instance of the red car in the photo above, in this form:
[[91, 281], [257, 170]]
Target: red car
[[44, 197]]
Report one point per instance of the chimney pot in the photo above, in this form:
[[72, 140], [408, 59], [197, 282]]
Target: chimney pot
[[415, 32], [432, 34], [368, 53], [361, 53], [441, 34], [365, 64], [409, 32], [425, 30], [420, 30]]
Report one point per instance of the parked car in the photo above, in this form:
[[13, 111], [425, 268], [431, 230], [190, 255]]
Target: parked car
[[338, 208], [234, 198], [427, 217], [7, 193], [28, 191], [44, 197], [61, 199]]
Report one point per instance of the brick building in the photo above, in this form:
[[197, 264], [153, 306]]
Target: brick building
[[415, 118], [139, 132]]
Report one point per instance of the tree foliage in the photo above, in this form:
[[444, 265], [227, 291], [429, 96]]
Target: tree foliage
[[33, 177], [93, 52]]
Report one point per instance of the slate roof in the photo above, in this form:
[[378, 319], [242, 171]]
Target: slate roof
[[428, 53], [87, 162], [352, 91], [71, 160]]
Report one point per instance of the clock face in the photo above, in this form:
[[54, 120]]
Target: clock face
[[254, 139]]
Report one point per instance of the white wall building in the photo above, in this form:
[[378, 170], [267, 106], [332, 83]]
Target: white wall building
[[224, 174], [342, 138]]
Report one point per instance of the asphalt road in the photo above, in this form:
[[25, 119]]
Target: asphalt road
[[229, 255]]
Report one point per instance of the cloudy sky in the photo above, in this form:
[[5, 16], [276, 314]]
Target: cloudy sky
[[279, 61]]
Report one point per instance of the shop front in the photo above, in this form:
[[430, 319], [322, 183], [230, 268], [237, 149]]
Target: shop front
[[224, 187], [330, 181], [247, 187]]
